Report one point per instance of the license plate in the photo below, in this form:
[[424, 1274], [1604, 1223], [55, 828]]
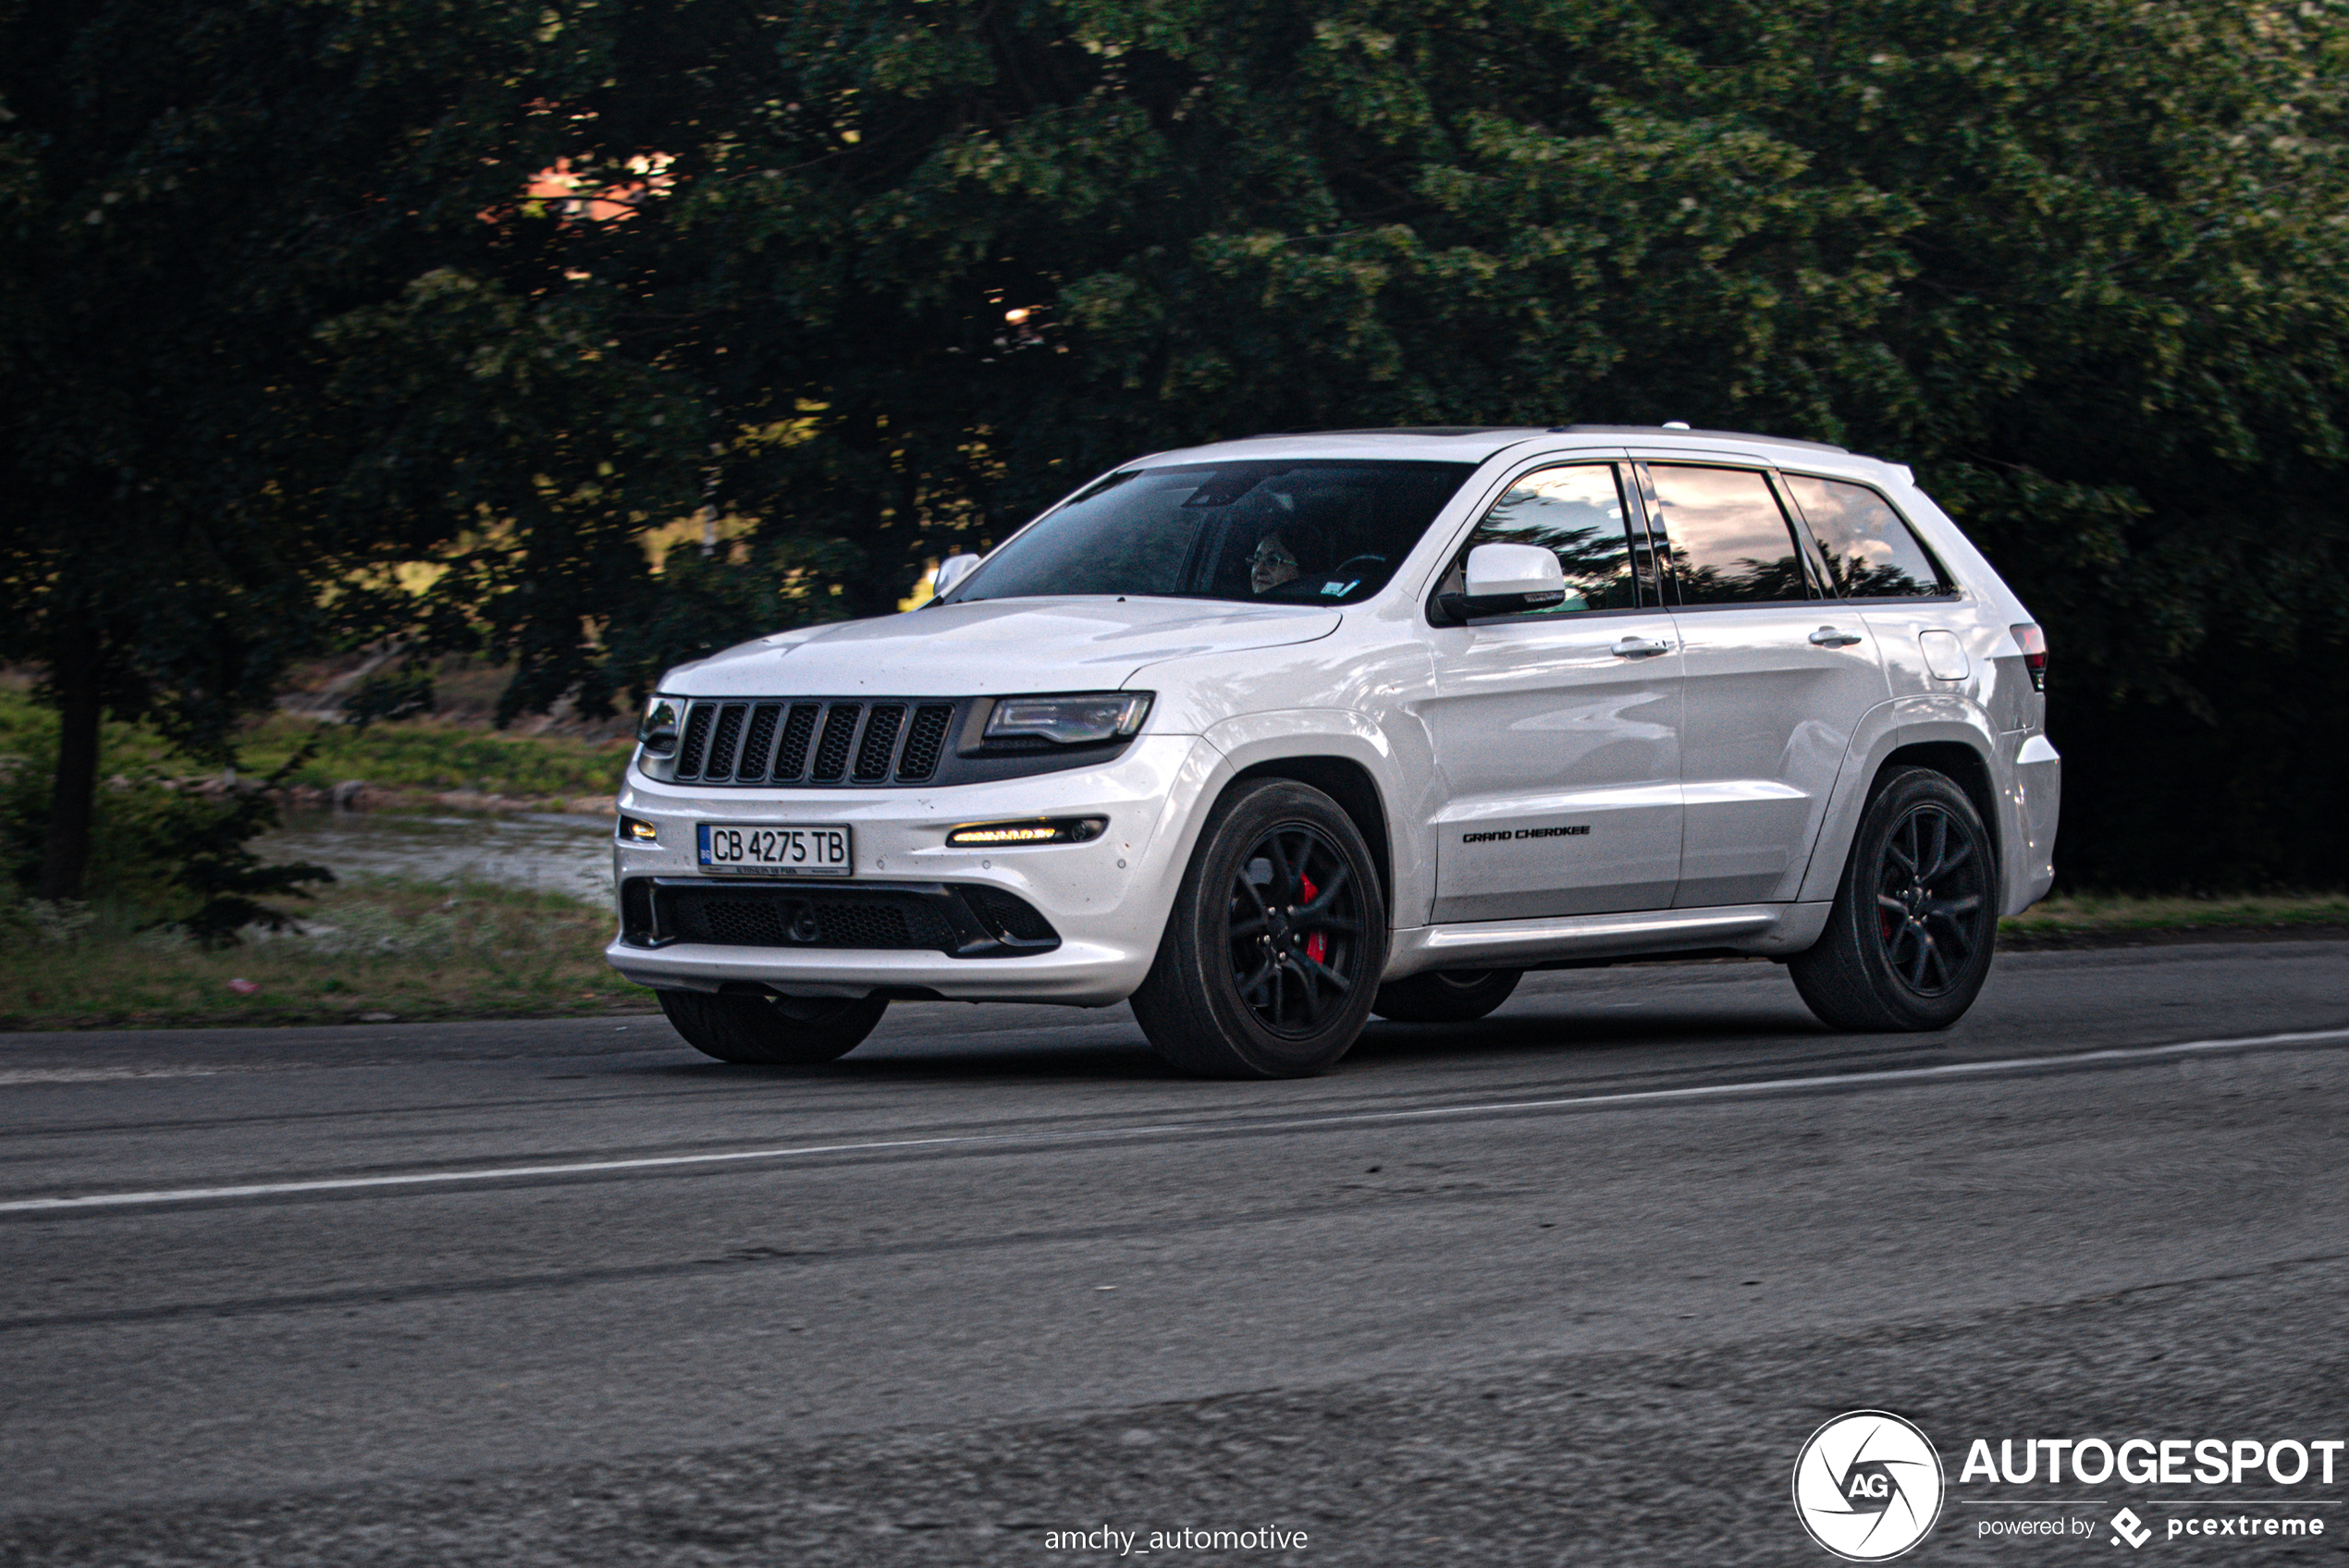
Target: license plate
[[741, 847]]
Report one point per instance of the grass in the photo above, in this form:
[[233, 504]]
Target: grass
[[422, 753], [2106, 916], [366, 946]]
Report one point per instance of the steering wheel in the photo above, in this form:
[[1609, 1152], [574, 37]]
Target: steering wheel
[[1338, 573]]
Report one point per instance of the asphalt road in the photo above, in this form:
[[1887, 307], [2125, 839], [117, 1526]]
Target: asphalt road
[[1570, 1285]]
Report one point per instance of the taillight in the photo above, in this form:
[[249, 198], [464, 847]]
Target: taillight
[[2034, 643]]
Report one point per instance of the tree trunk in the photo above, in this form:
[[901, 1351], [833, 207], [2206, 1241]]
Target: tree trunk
[[65, 862]]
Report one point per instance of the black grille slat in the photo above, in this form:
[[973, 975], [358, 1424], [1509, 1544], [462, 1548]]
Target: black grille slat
[[832, 751], [880, 740], [925, 742], [723, 740], [790, 757], [695, 744], [758, 742]]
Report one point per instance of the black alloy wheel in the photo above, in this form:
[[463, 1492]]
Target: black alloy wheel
[[1294, 920], [1909, 941], [1272, 952], [1931, 892]]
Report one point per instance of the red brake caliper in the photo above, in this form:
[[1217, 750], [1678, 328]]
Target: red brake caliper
[[1317, 947]]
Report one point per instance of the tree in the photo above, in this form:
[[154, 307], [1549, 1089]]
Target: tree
[[930, 264], [291, 293], [188, 192]]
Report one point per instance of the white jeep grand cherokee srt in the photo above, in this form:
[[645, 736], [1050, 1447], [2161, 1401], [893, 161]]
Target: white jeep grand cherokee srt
[[1271, 735]]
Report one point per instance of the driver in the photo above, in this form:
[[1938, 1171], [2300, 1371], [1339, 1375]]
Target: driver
[[1273, 564], [1290, 549]]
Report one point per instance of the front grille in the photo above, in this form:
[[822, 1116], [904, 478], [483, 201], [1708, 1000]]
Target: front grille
[[964, 921], [854, 743], [774, 741]]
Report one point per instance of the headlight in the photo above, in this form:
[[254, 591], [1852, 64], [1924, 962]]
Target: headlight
[[657, 731], [1074, 720]]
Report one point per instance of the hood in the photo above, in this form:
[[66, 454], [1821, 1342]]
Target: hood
[[993, 647]]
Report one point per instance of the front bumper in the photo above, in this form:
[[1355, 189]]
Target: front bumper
[[1108, 899]]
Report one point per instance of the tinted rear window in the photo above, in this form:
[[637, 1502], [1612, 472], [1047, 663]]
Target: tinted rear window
[[1870, 552]]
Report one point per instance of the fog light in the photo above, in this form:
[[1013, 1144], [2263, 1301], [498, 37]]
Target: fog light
[[1041, 830], [633, 831]]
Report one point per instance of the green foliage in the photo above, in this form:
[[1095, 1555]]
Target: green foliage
[[191, 192], [901, 272], [426, 755], [409, 754], [168, 857], [2079, 262]]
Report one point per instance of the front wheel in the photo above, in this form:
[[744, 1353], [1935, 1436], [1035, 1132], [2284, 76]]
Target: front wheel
[[766, 1031], [1908, 944], [1271, 956]]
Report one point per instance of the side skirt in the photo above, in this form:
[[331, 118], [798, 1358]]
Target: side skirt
[[1772, 930]]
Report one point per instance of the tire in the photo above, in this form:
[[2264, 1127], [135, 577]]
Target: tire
[[1446, 996], [1251, 986], [1908, 942], [772, 1031]]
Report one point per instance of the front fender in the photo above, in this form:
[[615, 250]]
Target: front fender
[[1391, 760]]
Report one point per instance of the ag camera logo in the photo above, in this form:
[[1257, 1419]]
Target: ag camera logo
[[1868, 1486]]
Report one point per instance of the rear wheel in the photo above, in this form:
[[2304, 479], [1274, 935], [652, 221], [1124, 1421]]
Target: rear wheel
[[1446, 996], [1272, 955], [766, 1031], [1908, 945]]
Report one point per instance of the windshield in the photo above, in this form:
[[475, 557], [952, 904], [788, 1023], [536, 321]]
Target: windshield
[[1300, 532]]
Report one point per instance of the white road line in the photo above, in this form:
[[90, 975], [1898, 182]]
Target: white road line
[[11, 1076], [2125, 1054]]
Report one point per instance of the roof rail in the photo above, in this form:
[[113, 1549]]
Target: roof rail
[[1553, 430], [1390, 430], [1683, 430]]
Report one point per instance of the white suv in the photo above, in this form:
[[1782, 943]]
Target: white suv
[[1271, 735]]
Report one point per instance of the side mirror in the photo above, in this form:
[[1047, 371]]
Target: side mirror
[[1506, 580]]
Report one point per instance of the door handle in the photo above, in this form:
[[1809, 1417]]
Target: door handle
[[1639, 648], [1829, 637]]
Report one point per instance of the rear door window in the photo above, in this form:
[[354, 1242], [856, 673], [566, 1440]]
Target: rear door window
[[1731, 541], [1870, 549]]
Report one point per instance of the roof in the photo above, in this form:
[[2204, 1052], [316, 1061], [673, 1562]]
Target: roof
[[1474, 443]]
